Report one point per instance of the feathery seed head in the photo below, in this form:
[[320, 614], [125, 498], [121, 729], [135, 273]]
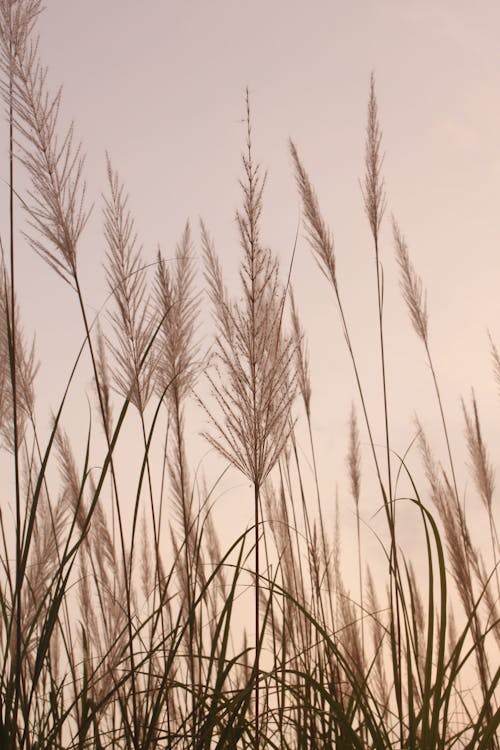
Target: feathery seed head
[[354, 457], [411, 286], [373, 188], [301, 357], [482, 470], [251, 378], [26, 368], [132, 323], [56, 209], [496, 361], [176, 306], [319, 237]]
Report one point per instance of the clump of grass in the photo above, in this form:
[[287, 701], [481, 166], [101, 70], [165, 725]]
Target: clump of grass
[[119, 603], [253, 384]]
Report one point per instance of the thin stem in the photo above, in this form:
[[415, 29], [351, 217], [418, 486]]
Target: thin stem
[[257, 617]]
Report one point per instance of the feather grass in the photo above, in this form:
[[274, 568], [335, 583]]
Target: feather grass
[[106, 645]]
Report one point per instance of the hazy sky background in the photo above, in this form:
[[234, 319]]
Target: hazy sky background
[[160, 85]]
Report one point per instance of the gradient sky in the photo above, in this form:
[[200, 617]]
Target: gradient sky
[[160, 85]]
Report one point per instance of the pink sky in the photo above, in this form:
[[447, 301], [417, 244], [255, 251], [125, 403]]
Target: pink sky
[[160, 84]]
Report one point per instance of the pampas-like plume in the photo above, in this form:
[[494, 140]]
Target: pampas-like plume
[[176, 304], [373, 187], [72, 486], [252, 359], [26, 369], [16, 22], [482, 470], [354, 470], [132, 323], [354, 458], [411, 286], [484, 478], [496, 361], [319, 236], [106, 413], [451, 515], [301, 358], [56, 207]]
